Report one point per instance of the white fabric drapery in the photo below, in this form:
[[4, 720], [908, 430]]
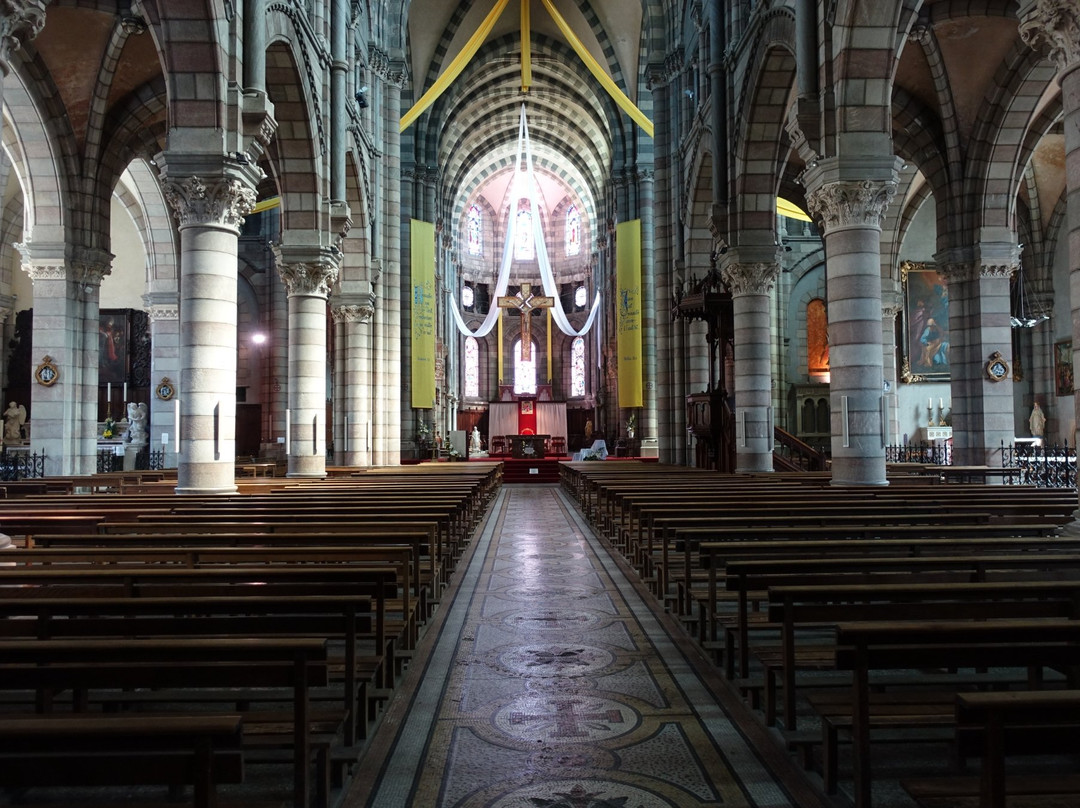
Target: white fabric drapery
[[551, 289]]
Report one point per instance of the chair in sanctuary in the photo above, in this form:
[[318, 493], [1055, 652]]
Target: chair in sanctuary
[[498, 445], [557, 445]]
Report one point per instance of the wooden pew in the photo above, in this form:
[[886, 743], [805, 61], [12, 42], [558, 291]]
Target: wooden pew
[[81, 665], [92, 750], [864, 647]]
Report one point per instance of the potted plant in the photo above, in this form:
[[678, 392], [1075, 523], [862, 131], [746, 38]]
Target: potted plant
[[631, 422]]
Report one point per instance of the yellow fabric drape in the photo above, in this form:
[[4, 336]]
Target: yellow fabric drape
[[526, 47], [422, 243], [455, 68], [791, 210], [628, 311], [618, 95], [266, 204]]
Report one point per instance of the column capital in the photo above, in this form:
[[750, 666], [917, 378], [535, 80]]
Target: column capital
[[307, 270], [209, 190], [847, 203], [163, 312], [20, 21], [90, 265], [1053, 25], [750, 278], [353, 313]]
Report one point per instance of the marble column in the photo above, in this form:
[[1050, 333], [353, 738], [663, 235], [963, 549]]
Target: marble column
[[650, 315], [63, 414], [307, 283], [751, 285], [164, 311], [979, 328], [354, 348], [210, 202], [851, 212], [1055, 26], [891, 306]]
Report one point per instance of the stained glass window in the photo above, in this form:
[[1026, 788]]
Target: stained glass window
[[573, 231], [581, 296], [472, 368], [474, 231], [524, 372], [577, 367], [523, 248]]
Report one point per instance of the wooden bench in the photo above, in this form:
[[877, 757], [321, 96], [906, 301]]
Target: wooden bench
[[864, 647], [92, 750], [82, 665]]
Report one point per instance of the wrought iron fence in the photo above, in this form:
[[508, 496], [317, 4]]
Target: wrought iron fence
[[108, 460], [1041, 466], [926, 453], [21, 465], [156, 460]]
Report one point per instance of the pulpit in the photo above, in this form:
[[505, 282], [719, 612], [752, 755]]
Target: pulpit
[[527, 446]]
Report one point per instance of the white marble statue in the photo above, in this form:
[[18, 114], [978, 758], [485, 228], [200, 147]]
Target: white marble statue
[[136, 415], [474, 441], [14, 418]]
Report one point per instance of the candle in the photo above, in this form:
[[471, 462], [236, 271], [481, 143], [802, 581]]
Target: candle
[[930, 403], [108, 392], [941, 403], [125, 391]]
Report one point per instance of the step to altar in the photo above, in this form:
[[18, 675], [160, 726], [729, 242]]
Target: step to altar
[[517, 470]]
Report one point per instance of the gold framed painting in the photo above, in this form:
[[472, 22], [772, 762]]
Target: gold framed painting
[[1063, 367], [926, 323]]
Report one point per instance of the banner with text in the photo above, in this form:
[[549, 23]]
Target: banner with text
[[422, 245], [628, 311]]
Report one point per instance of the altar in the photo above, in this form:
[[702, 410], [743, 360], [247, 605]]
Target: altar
[[527, 446]]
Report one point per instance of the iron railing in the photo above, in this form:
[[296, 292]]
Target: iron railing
[[1041, 466], [927, 453], [21, 465]]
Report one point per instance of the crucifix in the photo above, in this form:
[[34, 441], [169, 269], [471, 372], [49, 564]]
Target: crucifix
[[525, 301]]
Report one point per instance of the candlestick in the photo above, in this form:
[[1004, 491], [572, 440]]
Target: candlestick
[[125, 391]]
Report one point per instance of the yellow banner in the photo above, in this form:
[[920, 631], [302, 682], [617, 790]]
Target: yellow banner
[[455, 68], [617, 95], [628, 311], [422, 244]]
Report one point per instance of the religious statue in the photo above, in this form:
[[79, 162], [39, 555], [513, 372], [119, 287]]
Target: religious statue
[[474, 441], [588, 432], [14, 418], [1037, 421], [136, 415]]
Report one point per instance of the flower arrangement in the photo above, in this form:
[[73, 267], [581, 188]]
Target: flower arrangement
[[631, 422], [108, 428]]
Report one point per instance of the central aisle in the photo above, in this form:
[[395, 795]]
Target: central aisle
[[551, 682]]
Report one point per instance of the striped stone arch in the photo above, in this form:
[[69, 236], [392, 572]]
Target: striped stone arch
[[761, 139], [293, 148], [31, 142], [137, 129], [355, 274], [192, 40], [865, 82], [917, 138], [139, 192], [698, 238], [1057, 227], [913, 190], [11, 233]]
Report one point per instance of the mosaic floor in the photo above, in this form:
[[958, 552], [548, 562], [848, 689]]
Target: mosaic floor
[[552, 682]]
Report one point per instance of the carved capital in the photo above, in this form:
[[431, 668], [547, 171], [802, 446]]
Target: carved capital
[[851, 204], [90, 265], [163, 312], [353, 314], [998, 269], [959, 271], [20, 22], [750, 278], [1053, 25], [303, 278], [223, 202]]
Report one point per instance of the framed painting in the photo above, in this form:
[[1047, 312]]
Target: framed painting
[[1063, 367], [926, 323], [113, 332]]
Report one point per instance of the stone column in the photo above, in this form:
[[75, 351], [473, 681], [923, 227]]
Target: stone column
[[307, 283], [751, 285], [354, 383], [1055, 25], [891, 306], [210, 202], [851, 211], [979, 328], [164, 313], [64, 417], [650, 442]]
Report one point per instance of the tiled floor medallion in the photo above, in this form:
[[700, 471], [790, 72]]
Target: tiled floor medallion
[[555, 660], [566, 719], [583, 794], [562, 620]]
